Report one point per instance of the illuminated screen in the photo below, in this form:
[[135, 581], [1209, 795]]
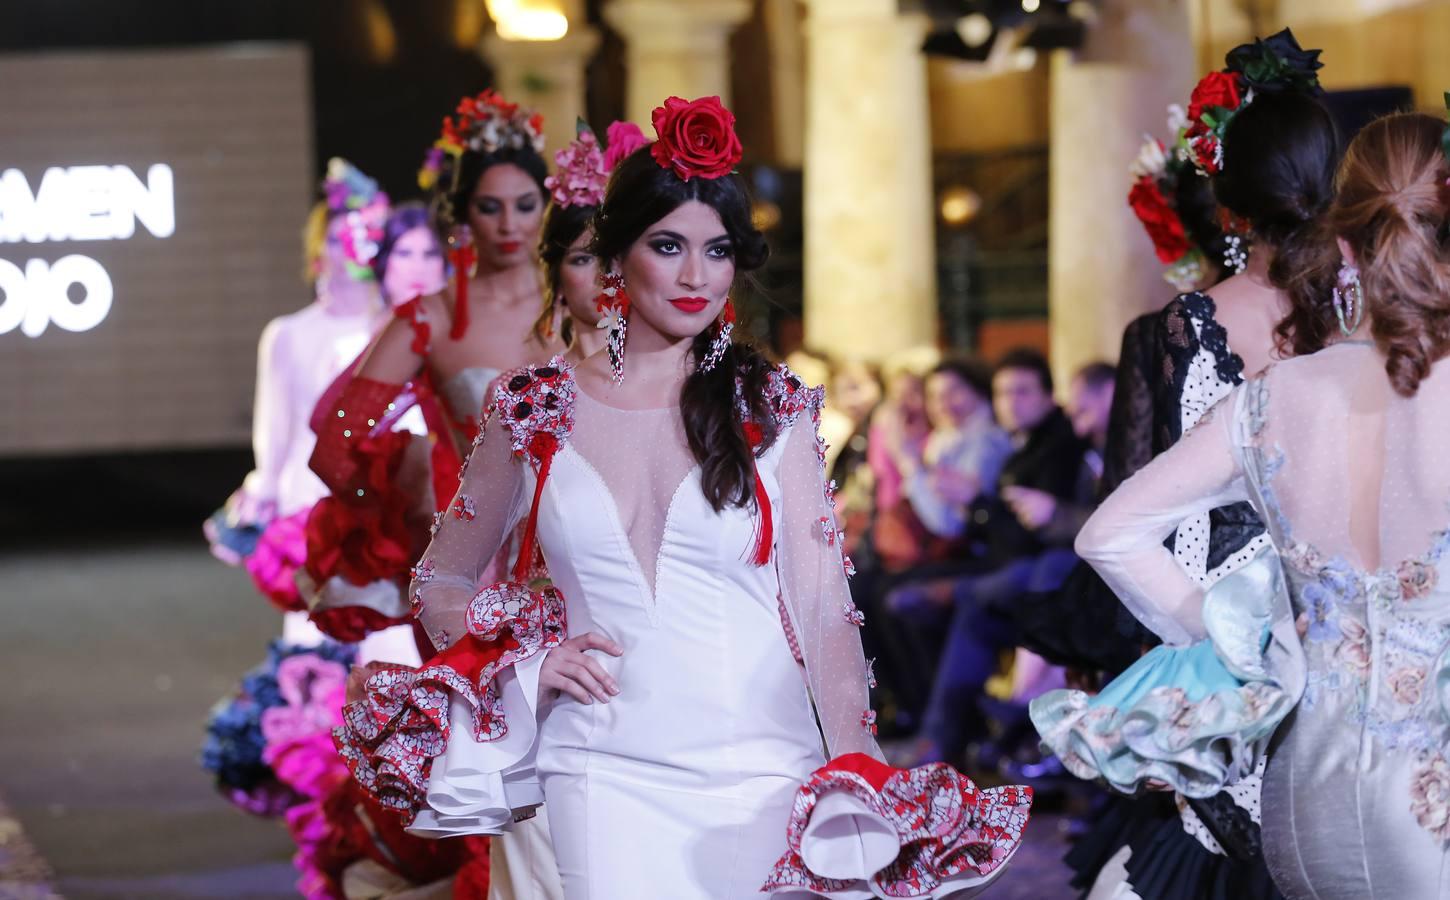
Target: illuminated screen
[[151, 206]]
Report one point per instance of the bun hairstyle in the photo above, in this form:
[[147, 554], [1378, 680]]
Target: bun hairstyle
[[1391, 208], [1198, 211], [640, 193], [1280, 154]]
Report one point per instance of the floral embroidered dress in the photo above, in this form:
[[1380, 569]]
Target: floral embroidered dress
[[1353, 483], [706, 776]]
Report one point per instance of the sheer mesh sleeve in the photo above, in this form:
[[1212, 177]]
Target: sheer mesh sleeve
[[813, 584], [489, 503], [1124, 539]]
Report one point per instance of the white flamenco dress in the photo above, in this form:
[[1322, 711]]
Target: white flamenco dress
[[707, 776]]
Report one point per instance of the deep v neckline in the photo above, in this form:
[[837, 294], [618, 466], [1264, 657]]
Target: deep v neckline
[[648, 588]]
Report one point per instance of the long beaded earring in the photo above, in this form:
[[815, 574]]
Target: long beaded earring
[[724, 326], [613, 302], [1235, 254], [1348, 298]]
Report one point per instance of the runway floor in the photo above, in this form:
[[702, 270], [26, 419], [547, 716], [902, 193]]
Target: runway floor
[[113, 651]]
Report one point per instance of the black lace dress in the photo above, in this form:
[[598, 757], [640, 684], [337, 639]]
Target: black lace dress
[[1174, 365]]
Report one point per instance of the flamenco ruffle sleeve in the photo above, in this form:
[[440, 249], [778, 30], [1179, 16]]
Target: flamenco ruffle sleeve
[[451, 745], [860, 828], [1196, 714]]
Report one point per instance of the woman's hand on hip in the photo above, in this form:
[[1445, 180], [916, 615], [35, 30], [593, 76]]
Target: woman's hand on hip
[[569, 669]]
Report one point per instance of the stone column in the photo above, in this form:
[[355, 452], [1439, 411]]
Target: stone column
[[675, 47], [787, 79], [1101, 269], [870, 278], [547, 76]]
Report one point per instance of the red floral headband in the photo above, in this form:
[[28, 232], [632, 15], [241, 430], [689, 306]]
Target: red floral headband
[[696, 138]]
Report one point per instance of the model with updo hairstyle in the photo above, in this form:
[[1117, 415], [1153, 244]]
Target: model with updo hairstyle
[[443, 349], [487, 181], [566, 232], [1266, 150], [1280, 156], [1202, 220], [410, 255], [1389, 217], [694, 668], [1342, 454]]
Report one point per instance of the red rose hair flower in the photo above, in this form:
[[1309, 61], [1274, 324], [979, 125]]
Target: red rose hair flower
[[1216, 89], [696, 138], [1161, 221]]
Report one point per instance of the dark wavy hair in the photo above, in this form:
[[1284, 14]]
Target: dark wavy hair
[[403, 219], [1197, 209], [562, 227], [471, 166], [1279, 159], [641, 193]]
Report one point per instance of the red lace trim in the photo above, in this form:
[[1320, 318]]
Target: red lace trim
[[947, 826], [389, 740]]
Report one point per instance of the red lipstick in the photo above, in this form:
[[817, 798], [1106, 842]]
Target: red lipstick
[[510, 246], [690, 304]]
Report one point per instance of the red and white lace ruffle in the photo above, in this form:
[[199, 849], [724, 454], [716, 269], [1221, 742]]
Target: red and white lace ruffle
[[390, 740], [863, 829]]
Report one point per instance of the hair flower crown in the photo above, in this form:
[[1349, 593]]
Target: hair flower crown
[[364, 209], [1276, 64], [696, 138], [582, 168], [1157, 172], [486, 123]]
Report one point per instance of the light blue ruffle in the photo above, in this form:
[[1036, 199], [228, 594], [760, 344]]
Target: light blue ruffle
[[1196, 718]]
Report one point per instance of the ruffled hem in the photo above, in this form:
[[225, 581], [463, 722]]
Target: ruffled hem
[[1168, 863], [391, 740], [1197, 745], [279, 555], [861, 829], [1195, 718], [231, 543], [347, 612]]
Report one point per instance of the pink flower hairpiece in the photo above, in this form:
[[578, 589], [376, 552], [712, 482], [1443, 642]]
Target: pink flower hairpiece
[[623, 139], [582, 168], [580, 174]]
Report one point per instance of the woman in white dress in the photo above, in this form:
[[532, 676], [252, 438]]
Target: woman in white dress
[[668, 696], [297, 358]]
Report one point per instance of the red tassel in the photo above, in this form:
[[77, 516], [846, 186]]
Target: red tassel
[[765, 534], [765, 528], [463, 257], [543, 447]]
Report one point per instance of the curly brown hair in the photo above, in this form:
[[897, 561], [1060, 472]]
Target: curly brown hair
[[1390, 207]]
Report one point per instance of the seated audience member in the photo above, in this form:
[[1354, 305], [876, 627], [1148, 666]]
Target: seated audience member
[[962, 457], [1021, 546], [1090, 399], [899, 424]]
